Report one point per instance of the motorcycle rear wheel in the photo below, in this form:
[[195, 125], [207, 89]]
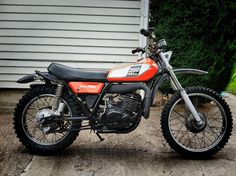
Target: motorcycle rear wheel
[[182, 132], [33, 135]]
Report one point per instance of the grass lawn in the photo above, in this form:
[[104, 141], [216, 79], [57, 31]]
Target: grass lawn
[[232, 84]]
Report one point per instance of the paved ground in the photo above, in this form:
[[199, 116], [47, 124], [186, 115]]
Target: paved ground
[[142, 152]]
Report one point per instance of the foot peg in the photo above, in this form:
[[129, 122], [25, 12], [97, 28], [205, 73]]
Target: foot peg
[[99, 136]]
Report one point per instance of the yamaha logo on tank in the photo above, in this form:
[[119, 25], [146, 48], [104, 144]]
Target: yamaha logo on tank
[[134, 70]]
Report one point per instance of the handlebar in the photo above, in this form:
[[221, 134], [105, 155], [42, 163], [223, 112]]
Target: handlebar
[[137, 50], [145, 32]]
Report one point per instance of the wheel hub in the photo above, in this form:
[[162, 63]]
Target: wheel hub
[[42, 119], [192, 125]]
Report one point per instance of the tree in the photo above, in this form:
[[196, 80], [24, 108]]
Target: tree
[[201, 34]]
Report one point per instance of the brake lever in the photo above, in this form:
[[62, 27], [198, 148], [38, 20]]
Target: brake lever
[[139, 59]]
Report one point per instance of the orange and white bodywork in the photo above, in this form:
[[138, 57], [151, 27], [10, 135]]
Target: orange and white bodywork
[[86, 87], [140, 72]]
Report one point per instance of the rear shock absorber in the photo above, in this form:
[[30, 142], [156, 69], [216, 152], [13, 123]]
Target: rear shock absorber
[[58, 96]]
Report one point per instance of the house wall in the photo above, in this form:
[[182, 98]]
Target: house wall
[[78, 33]]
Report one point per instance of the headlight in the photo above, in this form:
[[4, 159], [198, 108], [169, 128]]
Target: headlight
[[161, 44]]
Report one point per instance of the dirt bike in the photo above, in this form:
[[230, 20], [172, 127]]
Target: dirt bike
[[196, 121]]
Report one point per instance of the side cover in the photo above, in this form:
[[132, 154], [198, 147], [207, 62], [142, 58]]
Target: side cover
[[86, 87]]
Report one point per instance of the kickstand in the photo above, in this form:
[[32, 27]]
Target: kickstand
[[99, 136]]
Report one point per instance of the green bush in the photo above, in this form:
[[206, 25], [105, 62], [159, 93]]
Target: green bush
[[201, 35], [232, 84]]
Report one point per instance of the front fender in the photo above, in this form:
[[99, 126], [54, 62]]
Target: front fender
[[165, 77], [189, 71], [36, 76]]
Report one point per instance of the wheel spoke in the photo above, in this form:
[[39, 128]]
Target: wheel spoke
[[176, 123], [40, 138], [190, 140], [179, 114], [212, 131], [183, 135], [206, 137], [34, 130], [196, 102], [216, 113], [34, 108], [180, 118], [215, 120], [179, 130], [45, 99], [42, 104]]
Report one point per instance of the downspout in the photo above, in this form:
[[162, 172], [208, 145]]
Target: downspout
[[144, 19]]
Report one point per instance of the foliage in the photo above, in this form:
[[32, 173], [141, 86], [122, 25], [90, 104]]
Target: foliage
[[201, 35], [232, 84]]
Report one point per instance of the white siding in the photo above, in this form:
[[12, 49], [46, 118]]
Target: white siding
[[78, 33]]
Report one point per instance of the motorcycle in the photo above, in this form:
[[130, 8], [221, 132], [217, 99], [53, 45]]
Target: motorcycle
[[196, 122]]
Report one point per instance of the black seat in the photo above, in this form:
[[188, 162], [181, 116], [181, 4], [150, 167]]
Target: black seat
[[77, 74]]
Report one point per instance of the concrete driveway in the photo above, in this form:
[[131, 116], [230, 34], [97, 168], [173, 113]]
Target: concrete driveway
[[142, 152]]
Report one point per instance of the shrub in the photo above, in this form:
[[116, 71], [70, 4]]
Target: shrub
[[201, 35]]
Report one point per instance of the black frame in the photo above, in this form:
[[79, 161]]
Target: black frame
[[154, 86]]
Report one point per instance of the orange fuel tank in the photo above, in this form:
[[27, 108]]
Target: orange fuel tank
[[141, 71]]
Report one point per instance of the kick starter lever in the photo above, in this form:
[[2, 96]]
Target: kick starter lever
[[99, 136]]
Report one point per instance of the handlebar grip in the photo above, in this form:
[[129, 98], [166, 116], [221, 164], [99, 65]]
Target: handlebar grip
[[145, 32], [136, 50]]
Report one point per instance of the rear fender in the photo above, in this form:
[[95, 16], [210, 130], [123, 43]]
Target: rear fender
[[36, 76]]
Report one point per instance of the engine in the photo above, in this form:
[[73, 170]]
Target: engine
[[120, 111]]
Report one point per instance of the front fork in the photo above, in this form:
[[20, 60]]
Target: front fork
[[176, 85]]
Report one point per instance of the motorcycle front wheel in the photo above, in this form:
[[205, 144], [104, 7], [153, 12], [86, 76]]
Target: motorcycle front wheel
[[188, 138]]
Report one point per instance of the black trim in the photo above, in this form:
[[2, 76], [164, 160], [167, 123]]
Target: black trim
[[67, 74], [189, 71], [126, 130], [32, 77], [158, 82], [27, 78]]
